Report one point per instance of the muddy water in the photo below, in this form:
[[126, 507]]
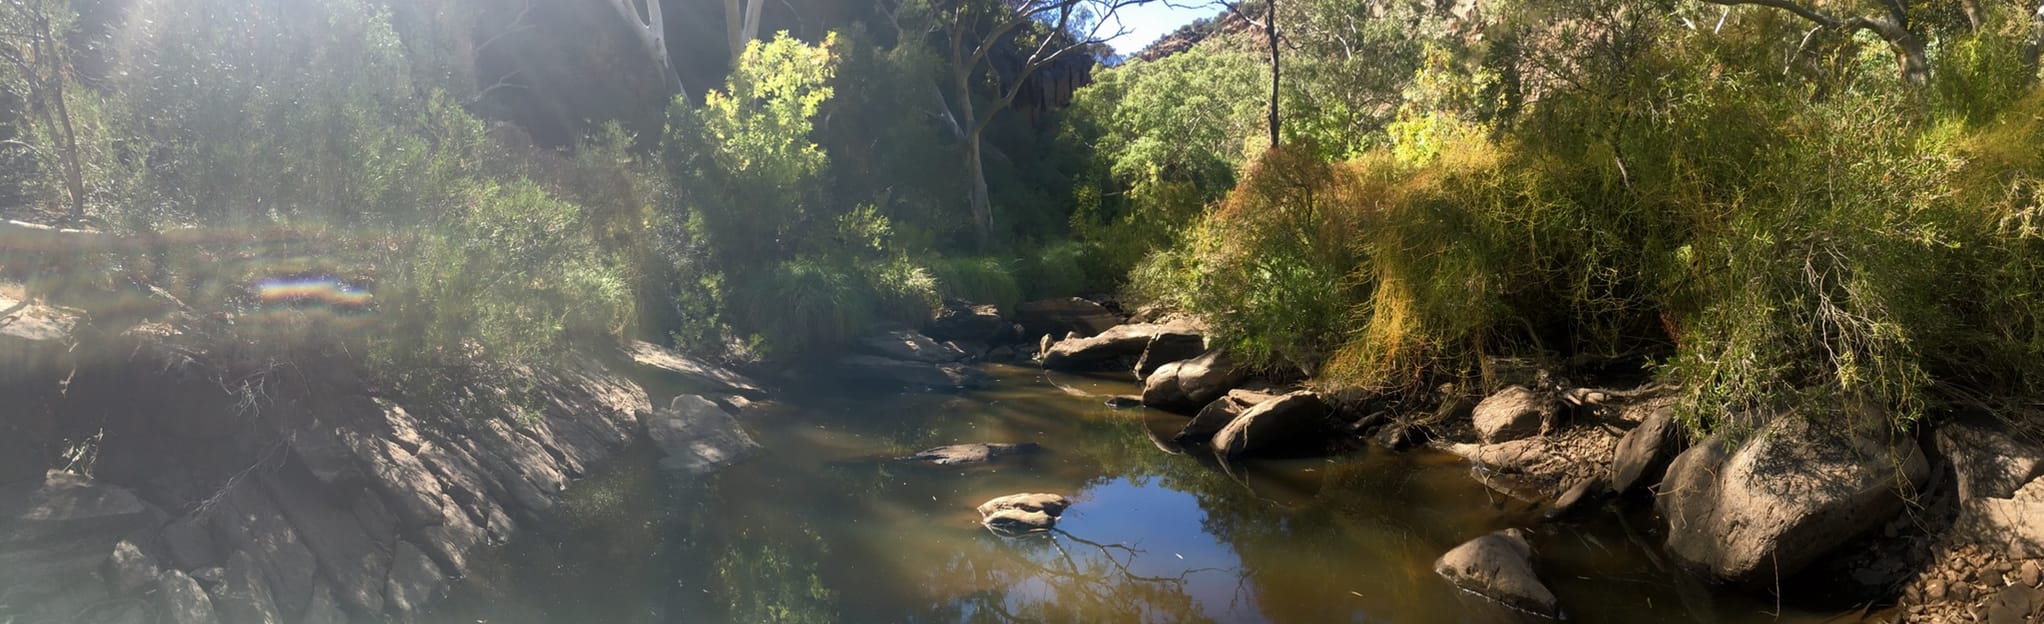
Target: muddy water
[[823, 528]]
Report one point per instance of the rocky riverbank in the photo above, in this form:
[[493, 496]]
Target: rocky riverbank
[[154, 474]]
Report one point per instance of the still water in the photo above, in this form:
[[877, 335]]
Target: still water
[[824, 527]]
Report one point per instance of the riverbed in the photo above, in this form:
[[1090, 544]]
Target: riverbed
[[826, 526]]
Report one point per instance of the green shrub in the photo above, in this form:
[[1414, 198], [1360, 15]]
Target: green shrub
[[979, 279]]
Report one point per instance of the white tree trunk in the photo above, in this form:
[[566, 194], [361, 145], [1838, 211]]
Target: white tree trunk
[[651, 31]]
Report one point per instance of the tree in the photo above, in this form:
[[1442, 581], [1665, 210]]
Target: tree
[[35, 50], [974, 29], [650, 28], [1894, 27], [741, 24]]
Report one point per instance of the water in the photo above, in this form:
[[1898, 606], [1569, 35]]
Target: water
[[825, 528]]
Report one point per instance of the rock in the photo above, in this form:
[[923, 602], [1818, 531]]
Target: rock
[[322, 609], [188, 544], [2030, 574], [244, 519], [696, 437], [1643, 454], [1499, 566], [1281, 425], [1189, 384], [1115, 347], [31, 334], [242, 596], [347, 557], [2015, 523], [1513, 413], [909, 345], [1217, 414], [906, 374], [1058, 317], [1120, 401], [128, 570], [959, 320], [1986, 458], [709, 377], [414, 579], [1514, 457], [181, 601], [2014, 605], [1001, 354], [1170, 347], [1578, 498], [1399, 435], [1017, 514], [974, 453], [56, 534], [1792, 493]]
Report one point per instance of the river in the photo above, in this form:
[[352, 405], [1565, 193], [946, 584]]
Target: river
[[824, 527]]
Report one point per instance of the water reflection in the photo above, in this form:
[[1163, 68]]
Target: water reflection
[[827, 528]]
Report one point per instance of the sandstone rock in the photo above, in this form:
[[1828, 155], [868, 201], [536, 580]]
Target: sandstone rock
[[696, 437], [56, 534], [322, 609], [906, 374], [1792, 493], [709, 377], [128, 570], [1018, 514], [245, 519], [1514, 457], [1288, 423], [1189, 384], [1217, 414], [1499, 566], [975, 453], [959, 320], [1578, 498], [1986, 458], [909, 345], [2016, 523], [1120, 401], [414, 579], [1058, 317], [1168, 347], [346, 555], [1643, 454], [181, 601], [1513, 413], [1118, 346], [242, 596]]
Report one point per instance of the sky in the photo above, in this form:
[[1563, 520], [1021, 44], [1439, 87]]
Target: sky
[[1147, 22]]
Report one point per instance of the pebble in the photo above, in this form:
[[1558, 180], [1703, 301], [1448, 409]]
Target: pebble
[[2032, 573], [1961, 592], [1934, 591]]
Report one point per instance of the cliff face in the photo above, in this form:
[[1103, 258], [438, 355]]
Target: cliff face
[[146, 480]]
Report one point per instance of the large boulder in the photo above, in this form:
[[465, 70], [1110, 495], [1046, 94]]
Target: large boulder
[[908, 374], [909, 345], [2016, 522], [243, 597], [181, 601], [1057, 317], [1644, 453], [1986, 458], [1118, 346], [959, 320], [695, 437], [974, 453], [1218, 413], [1513, 413], [31, 335], [708, 377], [1499, 566], [1189, 384], [1168, 347], [1797, 489], [1290, 423]]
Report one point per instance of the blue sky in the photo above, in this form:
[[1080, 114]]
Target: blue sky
[[1147, 22]]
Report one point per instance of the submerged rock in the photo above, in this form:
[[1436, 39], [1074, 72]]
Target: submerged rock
[[696, 437], [1120, 345], [1286, 424], [908, 374], [1018, 514], [1514, 413], [1499, 566], [975, 453], [1189, 384], [1791, 494]]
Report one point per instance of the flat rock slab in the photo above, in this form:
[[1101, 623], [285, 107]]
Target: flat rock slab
[[909, 345], [1499, 566], [909, 374], [975, 453], [696, 437], [1122, 344], [1514, 413], [711, 377]]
